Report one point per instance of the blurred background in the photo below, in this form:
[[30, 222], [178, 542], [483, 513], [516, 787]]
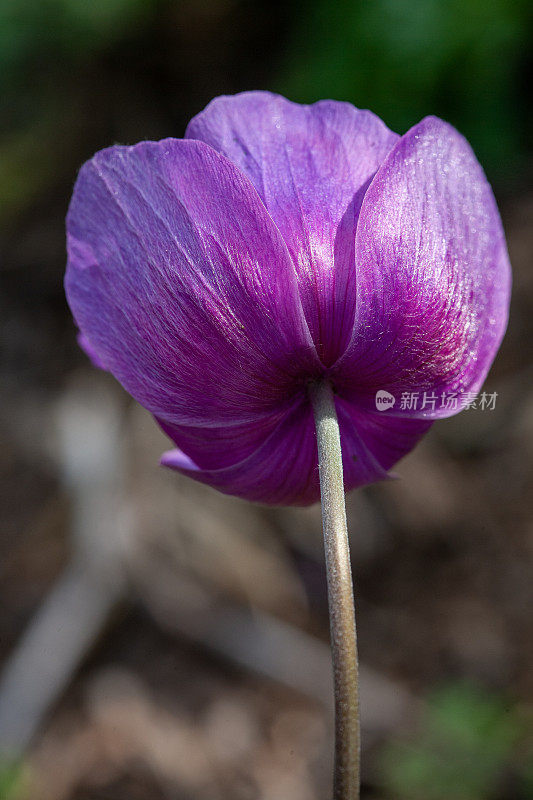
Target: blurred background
[[158, 640]]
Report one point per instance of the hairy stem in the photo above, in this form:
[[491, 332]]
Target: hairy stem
[[340, 595]]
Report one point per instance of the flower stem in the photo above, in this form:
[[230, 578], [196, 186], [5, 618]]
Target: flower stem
[[340, 595]]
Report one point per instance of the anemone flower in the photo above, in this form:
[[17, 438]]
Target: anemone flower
[[295, 293]]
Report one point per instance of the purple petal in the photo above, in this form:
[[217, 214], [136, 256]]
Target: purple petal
[[216, 448], [284, 471], [387, 438], [311, 166], [433, 275], [182, 286], [89, 351]]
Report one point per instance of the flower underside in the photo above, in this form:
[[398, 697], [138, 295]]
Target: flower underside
[[277, 244]]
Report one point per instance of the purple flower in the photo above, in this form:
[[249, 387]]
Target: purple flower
[[216, 275]]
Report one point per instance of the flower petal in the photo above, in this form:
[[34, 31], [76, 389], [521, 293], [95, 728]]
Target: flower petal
[[224, 446], [433, 275], [387, 438], [89, 351], [182, 286], [311, 166], [283, 470]]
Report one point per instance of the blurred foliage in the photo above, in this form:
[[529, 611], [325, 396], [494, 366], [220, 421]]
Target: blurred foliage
[[44, 38], [31, 30], [44, 48], [470, 743], [12, 781], [76, 75], [464, 60]]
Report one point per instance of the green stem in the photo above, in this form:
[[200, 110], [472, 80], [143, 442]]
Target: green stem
[[340, 595]]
